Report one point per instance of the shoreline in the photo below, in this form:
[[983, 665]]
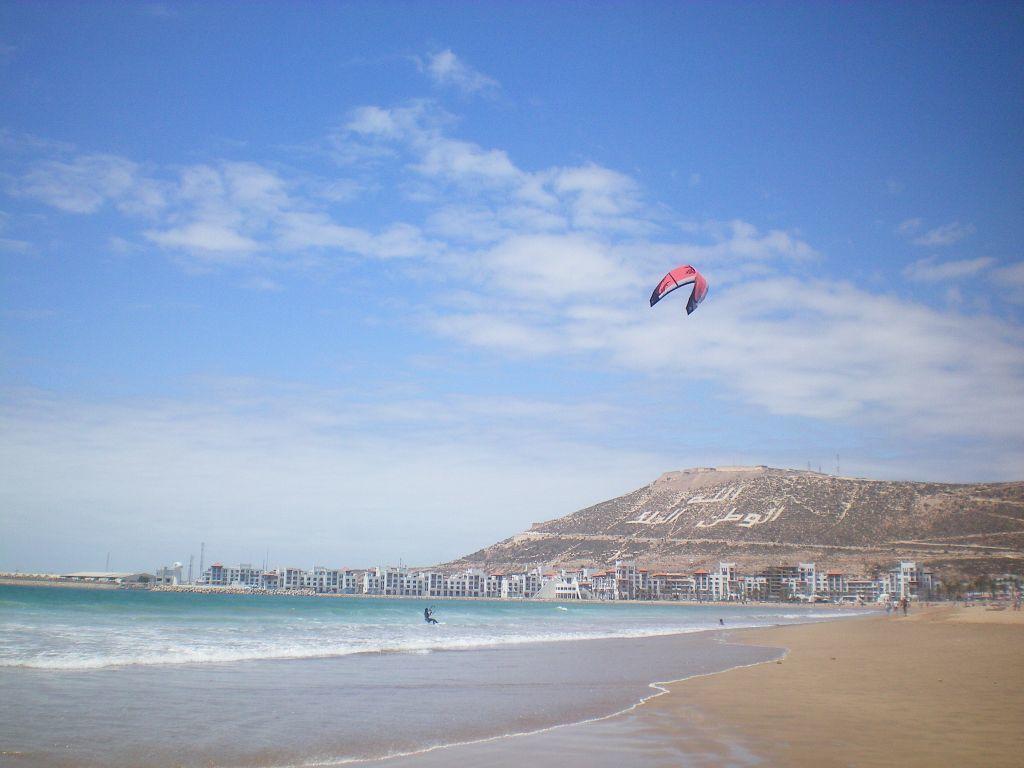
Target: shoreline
[[879, 691], [660, 688], [526, 689], [807, 708], [943, 685], [713, 631]]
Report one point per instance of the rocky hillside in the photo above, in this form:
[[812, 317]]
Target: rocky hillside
[[759, 516]]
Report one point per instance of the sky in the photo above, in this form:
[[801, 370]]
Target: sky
[[359, 283]]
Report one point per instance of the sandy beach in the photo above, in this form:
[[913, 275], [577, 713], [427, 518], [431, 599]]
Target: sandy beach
[[940, 687]]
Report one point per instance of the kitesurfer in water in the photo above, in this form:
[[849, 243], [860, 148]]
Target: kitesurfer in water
[[428, 615]]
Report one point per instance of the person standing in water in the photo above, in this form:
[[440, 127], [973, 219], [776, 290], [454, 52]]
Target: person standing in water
[[428, 615]]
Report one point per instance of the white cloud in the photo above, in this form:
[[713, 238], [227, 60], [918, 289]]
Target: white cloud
[[740, 240], [262, 284], [944, 235], [465, 162], [298, 230], [930, 270], [375, 121], [585, 197], [909, 227], [599, 198], [83, 185], [817, 349], [13, 245], [401, 241], [18, 143], [829, 350], [550, 261], [1010, 281], [203, 236], [304, 229], [214, 212], [447, 69], [1011, 274], [337, 190], [557, 267], [261, 452], [490, 330], [8, 243]]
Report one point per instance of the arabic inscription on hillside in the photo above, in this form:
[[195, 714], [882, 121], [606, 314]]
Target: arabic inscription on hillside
[[727, 494]]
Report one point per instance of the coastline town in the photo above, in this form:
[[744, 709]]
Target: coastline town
[[802, 582]]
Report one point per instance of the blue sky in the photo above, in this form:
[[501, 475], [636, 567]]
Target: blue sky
[[359, 282]]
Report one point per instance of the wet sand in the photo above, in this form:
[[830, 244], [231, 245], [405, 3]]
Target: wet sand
[[940, 687], [273, 713]]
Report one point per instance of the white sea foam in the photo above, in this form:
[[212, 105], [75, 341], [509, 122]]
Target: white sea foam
[[283, 651], [205, 653], [195, 634]]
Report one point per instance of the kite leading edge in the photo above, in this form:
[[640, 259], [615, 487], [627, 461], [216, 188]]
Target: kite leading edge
[[677, 278]]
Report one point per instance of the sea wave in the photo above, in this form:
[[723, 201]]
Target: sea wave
[[67, 641], [284, 651]]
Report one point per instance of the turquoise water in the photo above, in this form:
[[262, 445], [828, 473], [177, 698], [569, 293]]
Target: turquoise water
[[50, 628], [153, 680]]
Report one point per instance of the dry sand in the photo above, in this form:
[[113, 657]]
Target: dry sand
[[941, 687]]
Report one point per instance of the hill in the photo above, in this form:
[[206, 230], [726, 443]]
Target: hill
[[759, 516]]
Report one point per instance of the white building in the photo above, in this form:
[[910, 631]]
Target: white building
[[720, 584], [293, 578], [522, 585], [469, 583], [602, 584], [168, 576], [494, 585], [395, 581], [754, 587], [562, 587], [631, 583], [908, 579], [672, 586], [807, 580], [244, 575]]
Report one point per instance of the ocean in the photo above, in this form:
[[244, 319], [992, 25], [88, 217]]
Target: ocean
[[133, 678]]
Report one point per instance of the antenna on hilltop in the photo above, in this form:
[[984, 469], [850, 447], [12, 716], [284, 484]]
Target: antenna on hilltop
[[837, 465]]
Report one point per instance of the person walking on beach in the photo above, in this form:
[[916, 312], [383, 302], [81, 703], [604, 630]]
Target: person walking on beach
[[428, 615]]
